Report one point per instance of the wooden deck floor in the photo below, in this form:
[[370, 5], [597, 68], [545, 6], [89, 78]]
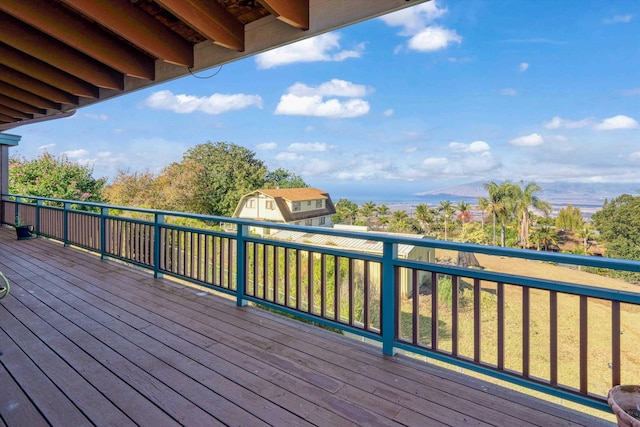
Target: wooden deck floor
[[93, 342]]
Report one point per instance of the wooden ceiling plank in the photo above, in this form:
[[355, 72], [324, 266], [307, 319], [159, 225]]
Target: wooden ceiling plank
[[8, 111], [37, 44], [138, 27], [61, 24], [37, 87], [209, 19], [6, 119], [293, 12], [20, 106], [27, 97], [46, 73]]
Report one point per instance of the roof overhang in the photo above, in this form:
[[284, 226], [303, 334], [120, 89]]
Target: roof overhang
[[59, 55]]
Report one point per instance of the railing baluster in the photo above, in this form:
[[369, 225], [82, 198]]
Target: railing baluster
[[454, 315], [434, 311], [323, 285], [615, 343], [298, 279], [477, 321], [415, 303], [525, 331], [553, 337], [366, 302], [584, 347], [310, 290], [350, 298], [500, 321]]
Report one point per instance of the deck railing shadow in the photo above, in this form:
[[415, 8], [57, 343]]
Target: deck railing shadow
[[563, 338]]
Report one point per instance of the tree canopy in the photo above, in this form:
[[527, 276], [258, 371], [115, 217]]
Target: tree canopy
[[619, 225], [54, 177]]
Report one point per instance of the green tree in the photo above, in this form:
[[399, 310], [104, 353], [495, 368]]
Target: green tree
[[54, 177], [132, 189], [425, 216], [585, 233], [367, 210], [544, 236], [346, 211], [282, 178], [524, 198], [493, 204], [446, 210], [619, 225], [224, 173], [569, 218]]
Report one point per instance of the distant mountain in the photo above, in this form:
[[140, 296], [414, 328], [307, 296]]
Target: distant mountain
[[589, 195]]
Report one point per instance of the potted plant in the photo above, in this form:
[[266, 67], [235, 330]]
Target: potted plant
[[23, 231], [624, 400], [4, 286]]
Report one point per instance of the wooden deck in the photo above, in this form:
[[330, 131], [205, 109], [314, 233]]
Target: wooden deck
[[93, 342]]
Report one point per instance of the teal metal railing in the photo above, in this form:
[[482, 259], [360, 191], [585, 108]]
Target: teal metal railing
[[557, 336]]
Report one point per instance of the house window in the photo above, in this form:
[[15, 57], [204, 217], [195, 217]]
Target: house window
[[322, 220], [269, 204], [296, 206], [308, 222], [318, 203], [251, 203], [309, 203]]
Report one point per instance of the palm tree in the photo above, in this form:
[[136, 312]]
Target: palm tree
[[425, 215], [544, 236], [465, 210], [367, 210], [383, 210], [494, 203], [483, 206], [525, 197], [447, 210], [585, 233]]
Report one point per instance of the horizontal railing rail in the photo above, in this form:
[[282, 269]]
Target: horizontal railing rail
[[559, 336]]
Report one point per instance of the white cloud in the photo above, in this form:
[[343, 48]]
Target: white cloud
[[435, 162], [388, 113], [267, 146], [414, 19], [416, 23], [76, 154], [288, 156], [324, 47], [508, 92], [318, 167], [618, 19], [410, 150], [631, 92], [309, 146], [46, 147], [334, 87], [558, 123], [103, 154], [523, 67], [474, 147], [434, 38], [528, 140], [617, 122], [302, 100], [214, 104], [635, 155]]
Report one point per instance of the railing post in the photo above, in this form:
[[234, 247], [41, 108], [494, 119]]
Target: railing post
[[103, 232], [65, 223], [241, 267], [157, 247], [38, 205], [389, 314]]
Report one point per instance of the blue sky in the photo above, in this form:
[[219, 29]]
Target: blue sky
[[442, 93]]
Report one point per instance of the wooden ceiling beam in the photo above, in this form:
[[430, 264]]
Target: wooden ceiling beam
[[6, 119], [46, 73], [8, 111], [138, 27], [209, 19], [63, 25], [20, 106], [293, 12], [37, 87], [27, 97], [45, 48]]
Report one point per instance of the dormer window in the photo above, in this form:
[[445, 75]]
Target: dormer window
[[318, 204], [295, 206]]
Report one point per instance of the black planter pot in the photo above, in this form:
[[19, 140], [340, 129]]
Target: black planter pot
[[24, 232]]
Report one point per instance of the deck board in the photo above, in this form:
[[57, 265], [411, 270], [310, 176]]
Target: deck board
[[93, 342]]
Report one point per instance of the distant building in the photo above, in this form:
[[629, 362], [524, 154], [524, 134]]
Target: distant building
[[299, 206]]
